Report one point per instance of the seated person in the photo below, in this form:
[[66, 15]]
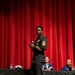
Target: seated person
[[68, 66], [47, 66]]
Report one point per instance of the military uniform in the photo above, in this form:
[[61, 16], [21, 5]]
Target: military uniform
[[67, 68], [38, 57], [47, 65]]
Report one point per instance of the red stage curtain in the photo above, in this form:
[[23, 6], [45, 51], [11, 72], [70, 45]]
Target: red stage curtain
[[18, 21]]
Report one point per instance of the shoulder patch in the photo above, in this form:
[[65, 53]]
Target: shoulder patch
[[43, 43]]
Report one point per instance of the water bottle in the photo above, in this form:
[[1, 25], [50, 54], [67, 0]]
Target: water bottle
[[11, 66]]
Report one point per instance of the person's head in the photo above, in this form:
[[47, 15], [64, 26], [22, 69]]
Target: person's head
[[69, 62], [46, 59], [39, 30]]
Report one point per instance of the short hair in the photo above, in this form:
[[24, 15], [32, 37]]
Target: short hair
[[47, 57], [40, 27]]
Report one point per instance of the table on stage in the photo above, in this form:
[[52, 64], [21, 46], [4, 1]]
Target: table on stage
[[25, 72], [58, 73], [11, 72]]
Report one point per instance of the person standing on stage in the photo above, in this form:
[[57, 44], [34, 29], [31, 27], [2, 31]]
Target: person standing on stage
[[38, 48]]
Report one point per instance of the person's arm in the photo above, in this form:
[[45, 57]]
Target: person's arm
[[32, 46], [50, 68], [42, 45], [63, 69], [43, 68]]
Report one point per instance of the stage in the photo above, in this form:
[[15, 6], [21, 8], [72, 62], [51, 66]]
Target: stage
[[26, 72]]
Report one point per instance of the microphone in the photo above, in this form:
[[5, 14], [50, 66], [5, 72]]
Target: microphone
[[32, 42]]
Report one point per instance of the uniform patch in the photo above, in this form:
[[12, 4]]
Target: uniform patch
[[43, 43], [38, 40]]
